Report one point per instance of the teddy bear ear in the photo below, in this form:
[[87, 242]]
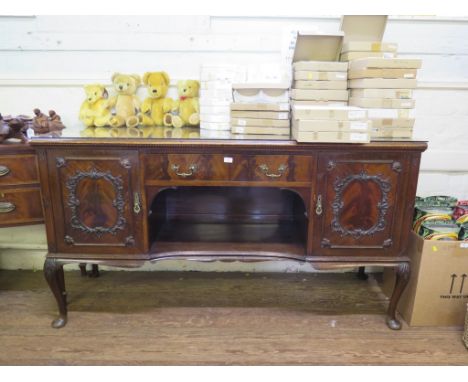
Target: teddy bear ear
[[145, 77], [166, 77], [137, 79], [114, 75]]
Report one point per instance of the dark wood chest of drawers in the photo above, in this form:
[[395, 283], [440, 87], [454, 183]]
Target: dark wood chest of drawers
[[124, 202]]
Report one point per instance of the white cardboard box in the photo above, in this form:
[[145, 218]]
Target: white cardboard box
[[340, 113], [390, 113], [215, 126], [350, 56], [216, 118], [369, 46], [260, 114], [387, 103], [392, 123], [319, 95], [385, 63], [389, 132], [262, 130], [261, 93], [382, 83], [382, 73], [261, 106], [215, 109], [320, 76], [330, 136], [260, 122], [321, 85], [381, 93], [331, 125]]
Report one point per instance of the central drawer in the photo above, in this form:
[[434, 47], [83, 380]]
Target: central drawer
[[225, 167]]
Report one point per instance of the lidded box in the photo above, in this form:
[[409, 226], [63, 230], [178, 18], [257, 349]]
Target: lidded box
[[364, 33], [318, 52]]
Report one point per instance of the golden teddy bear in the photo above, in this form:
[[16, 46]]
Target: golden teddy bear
[[94, 110], [186, 109], [157, 105], [125, 103]]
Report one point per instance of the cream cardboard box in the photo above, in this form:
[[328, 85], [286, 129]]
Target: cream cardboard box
[[382, 93], [350, 56], [392, 132], [387, 103], [339, 113], [382, 83], [330, 136], [437, 292], [320, 103], [261, 106], [260, 122], [261, 93], [331, 125], [382, 73], [407, 123], [321, 85], [385, 63], [365, 33], [390, 113], [260, 114], [320, 76], [317, 47], [321, 66], [319, 95], [260, 130]]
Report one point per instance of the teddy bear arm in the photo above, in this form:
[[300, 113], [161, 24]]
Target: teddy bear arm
[[146, 106], [196, 105], [112, 102], [136, 102], [167, 105]]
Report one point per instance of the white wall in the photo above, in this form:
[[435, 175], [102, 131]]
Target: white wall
[[45, 60]]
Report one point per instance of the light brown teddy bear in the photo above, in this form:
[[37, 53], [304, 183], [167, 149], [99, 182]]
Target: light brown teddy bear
[[186, 109], [125, 104], [156, 106], [94, 109]]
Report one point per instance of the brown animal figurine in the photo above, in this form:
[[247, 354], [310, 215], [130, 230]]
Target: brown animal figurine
[[43, 124], [14, 128]]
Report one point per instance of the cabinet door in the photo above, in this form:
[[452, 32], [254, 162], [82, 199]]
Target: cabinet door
[[358, 204], [96, 202]]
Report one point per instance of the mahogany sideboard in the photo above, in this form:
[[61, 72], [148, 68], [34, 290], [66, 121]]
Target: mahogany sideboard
[[122, 202]]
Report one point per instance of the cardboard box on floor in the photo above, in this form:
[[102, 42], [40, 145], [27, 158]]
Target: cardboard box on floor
[[437, 292]]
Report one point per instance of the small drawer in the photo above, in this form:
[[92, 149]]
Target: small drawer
[[18, 170], [290, 168], [186, 167], [20, 206]]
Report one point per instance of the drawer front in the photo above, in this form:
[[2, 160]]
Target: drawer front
[[280, 168], [18, 170], [186, 167], [20, 206]]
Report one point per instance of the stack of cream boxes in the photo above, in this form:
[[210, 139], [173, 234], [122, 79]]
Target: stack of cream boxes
[[216, 98], [384, 86], [260, 111], [319, 95], [378, 80]]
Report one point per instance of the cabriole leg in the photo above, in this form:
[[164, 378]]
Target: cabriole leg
[[53, 273], [402, 277]]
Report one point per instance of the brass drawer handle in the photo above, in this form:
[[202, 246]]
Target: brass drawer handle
[[281, 170], [192, 170], [136, 203], [6, 207], [4, 170], [318, 208]]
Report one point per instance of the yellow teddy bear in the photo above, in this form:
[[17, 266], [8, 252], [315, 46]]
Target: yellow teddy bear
[[156, 106], [186, 109], [125, 104], [94, 110]]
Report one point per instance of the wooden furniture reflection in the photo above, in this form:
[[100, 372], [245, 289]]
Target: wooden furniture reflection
[[124, 202]]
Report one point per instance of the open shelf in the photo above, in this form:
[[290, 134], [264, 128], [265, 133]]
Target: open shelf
[[228, 221]]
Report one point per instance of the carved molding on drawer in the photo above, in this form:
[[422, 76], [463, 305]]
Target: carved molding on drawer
[[338, 204], [74, 202]]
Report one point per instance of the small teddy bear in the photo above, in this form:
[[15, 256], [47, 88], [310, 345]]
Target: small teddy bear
[[94, 110], [157, 105], [186, 109], [125, 104]]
